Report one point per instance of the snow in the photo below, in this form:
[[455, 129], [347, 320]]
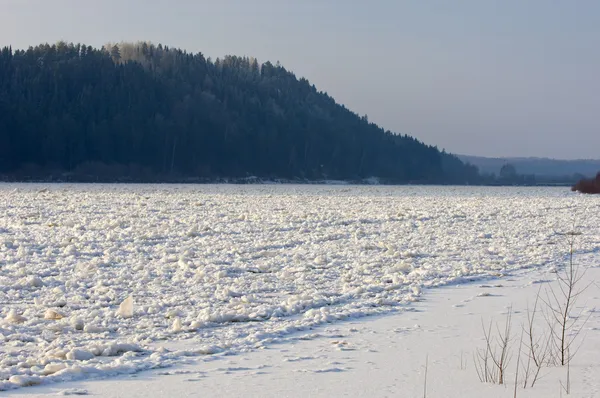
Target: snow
[[104, 281]]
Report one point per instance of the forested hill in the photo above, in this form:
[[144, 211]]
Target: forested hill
[[139, 112]]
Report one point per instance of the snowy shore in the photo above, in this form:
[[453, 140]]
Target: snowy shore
[[376, 357]]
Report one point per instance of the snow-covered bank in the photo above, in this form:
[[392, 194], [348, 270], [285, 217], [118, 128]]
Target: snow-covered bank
[[378, 357], [230, 269]]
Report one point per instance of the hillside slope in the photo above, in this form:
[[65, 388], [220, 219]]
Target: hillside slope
[[146, 112]]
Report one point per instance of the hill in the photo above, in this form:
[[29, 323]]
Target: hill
[[152, 113], [539, 167]]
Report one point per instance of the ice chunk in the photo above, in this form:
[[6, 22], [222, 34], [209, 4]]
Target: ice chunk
[[77, 323], [14, 317], [196, 325], [114, 349], [192, 232], [320, 260], [404, 268], [35, 281], [56, 354], [126, 308], [52, 368], [58, 290], [25, 381], [93, 329], [173, 313], [79, 355], [53, 315], [177, 327]]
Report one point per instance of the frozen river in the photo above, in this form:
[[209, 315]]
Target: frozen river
[[223, 268]]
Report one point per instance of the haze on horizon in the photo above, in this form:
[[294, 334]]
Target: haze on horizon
[[488, 78]]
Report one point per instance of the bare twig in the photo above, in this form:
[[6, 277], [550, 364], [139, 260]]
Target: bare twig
[[425, 382], [518, 362]]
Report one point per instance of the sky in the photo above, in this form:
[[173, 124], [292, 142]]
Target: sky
[[477, 77]]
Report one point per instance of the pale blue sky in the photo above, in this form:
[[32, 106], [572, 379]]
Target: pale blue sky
[[481, 77]]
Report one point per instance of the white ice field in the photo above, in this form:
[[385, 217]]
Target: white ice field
[[221, 268]]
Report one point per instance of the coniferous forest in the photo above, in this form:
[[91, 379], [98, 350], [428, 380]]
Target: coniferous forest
[[140, 112]]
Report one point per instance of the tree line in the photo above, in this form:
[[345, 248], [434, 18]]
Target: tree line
[[145, 112]]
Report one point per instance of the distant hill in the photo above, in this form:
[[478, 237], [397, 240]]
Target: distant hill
[[542, 167], [140, 112]]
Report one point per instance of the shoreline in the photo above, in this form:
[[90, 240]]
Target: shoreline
[[373, 356], [258, 181]]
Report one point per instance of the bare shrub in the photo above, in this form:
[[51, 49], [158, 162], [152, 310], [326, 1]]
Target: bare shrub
[[565, 325], [492, 361], [538, 346]]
